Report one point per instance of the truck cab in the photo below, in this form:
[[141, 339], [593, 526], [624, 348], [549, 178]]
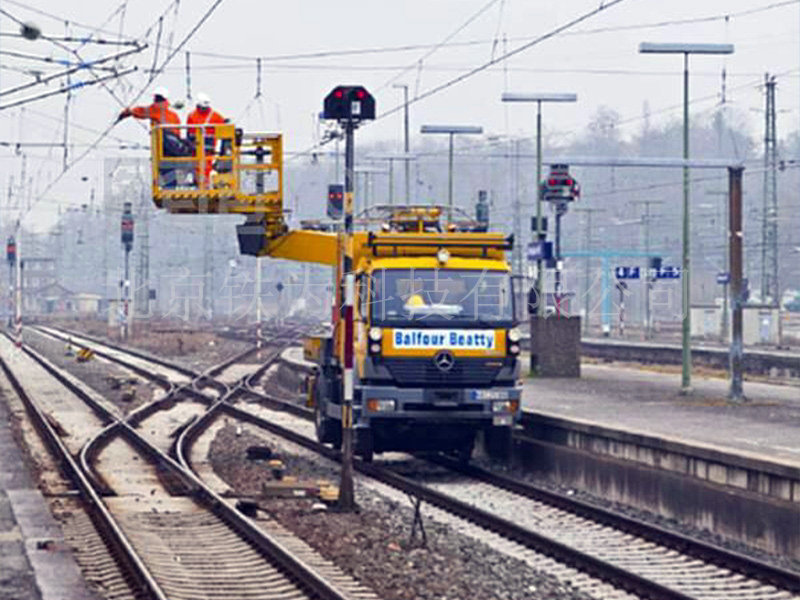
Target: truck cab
[[436, 345]]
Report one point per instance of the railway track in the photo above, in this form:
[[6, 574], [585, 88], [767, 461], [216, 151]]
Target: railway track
[[599, 551], [174, 536], [634, 556]]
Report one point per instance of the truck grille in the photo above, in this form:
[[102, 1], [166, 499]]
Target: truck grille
[[422, 371]]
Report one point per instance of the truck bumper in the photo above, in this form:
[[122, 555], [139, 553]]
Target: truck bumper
[[475, 407]]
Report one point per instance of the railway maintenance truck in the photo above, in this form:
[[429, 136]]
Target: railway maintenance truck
[[435, 341]]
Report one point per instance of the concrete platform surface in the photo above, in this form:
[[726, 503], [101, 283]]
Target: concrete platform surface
[[35, 562], [767, 427]]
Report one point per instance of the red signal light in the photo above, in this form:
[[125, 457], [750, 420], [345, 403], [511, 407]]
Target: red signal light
[[338, 93], [361, 94], [569, 182], [552, 182]]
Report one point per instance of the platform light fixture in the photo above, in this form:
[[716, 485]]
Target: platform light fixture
[[686, 50], [538, 98], [451, 130]]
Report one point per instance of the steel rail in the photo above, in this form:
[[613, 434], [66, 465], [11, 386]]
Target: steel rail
[[753, 568], [721, 557], [132, 352], [305, 577], [122, 549], [622, 578]]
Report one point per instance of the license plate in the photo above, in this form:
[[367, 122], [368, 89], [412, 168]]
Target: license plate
[[502, 420]]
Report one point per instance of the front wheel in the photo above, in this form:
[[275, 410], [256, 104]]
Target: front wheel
[[498, 443], [365, 445], [326, 427]]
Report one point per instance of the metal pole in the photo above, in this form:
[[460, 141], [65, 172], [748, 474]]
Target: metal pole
[[647, 279], [257, 290], [260, 154], [735, 267], [407, 146], [648, 282], [345, 337], [686, 375], [18, 289], [367, 186], [725, 312], [391, 182], [517, 210], [560, 210], [540, 298], [450, 184], [125, 291], [586, 303], [336, 179]]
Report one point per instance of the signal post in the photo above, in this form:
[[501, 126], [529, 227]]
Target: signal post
[[349, 105], [126, 237]]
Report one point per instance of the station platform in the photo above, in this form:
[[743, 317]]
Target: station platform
[[35, 561], [647, 402]]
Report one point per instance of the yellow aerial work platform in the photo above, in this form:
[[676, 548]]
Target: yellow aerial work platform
[[219, 169]]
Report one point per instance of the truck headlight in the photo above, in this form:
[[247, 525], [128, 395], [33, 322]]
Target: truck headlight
[[501, 406], [374, 348], [513, 349], [375, 334], [514, 335], [380, 404]]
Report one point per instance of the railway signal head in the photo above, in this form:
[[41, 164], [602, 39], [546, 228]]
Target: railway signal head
[[335, 200], [11, 250], [126, 226], [560, 186], [349, 103]]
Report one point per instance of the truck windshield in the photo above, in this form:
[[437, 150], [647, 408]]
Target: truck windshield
[[441, 297]]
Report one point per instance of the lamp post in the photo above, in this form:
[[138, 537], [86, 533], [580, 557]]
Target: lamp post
[[390, 158], [587, 306], [539, 98], [451, 130], [686, 50], [367, 171], [406, 140]]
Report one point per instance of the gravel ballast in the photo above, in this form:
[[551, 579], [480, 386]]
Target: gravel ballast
[[642, 515], [374, 544]]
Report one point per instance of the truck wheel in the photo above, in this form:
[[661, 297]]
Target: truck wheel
[[365, 446], [463, 453], [498, 443], [325, 426]]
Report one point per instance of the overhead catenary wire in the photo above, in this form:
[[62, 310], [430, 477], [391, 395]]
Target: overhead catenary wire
[[108, 129], [490, 42], [75, 52], [421, 60], [76, 39], [155, 50], [493, 61], [188, 76], [74, 69], [66, 89]]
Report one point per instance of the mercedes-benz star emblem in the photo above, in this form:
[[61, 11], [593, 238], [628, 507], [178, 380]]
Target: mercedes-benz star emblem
[[444, 360]]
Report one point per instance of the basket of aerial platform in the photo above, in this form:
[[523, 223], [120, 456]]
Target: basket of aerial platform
[[219, 170]]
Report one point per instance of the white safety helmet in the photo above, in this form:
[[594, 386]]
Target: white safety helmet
[[203, 100], [161, 91]]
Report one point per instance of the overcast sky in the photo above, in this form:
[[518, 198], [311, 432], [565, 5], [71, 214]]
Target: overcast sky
[[598, 59]]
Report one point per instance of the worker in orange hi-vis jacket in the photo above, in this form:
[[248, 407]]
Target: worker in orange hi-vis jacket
[[203, 114], [159, 113]]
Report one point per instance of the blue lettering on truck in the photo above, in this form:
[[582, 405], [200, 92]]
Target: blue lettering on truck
[[455, 339]]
